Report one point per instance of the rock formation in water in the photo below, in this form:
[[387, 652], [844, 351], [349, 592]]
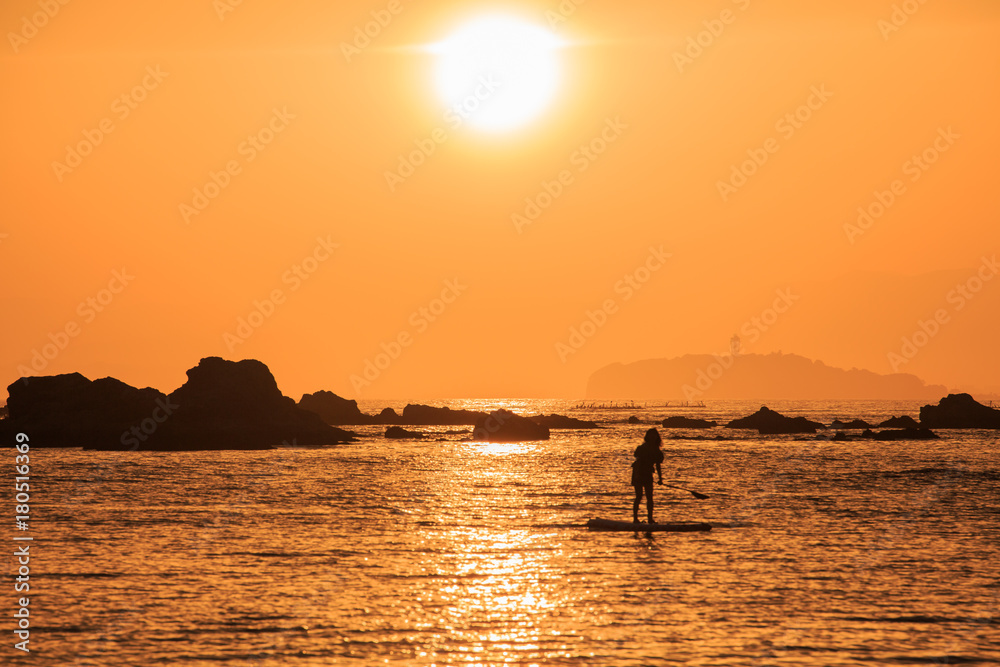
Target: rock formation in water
[[687, 422], [505, 426], [72, 411], [335, 410], [769, 422], [959, 411], [750, 376], [237, 405], [400, 433], [853, 424], [223, 405], [426, 415], [900, 422], [342, 412]]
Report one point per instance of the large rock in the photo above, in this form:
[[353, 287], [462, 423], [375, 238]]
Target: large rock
[[334, 409], [237, 405], [73, 411], [769, 422], [223, 405], [562, 422], [687, 422], [505, 426], [959, 411]]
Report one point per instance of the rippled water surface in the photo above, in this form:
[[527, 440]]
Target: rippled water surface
[[448, 552]]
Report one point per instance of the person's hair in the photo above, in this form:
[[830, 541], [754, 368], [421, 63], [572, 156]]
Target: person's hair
[[653, 436]]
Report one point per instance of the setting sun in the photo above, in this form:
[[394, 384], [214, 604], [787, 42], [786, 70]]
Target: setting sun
[[497, 71]]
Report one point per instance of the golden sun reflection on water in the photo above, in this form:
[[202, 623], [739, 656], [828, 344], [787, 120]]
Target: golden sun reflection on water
[[502, 591], [505, 594], [501, 448]]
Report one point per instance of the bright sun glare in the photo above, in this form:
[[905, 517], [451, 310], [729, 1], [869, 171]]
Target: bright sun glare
[[497, 73]]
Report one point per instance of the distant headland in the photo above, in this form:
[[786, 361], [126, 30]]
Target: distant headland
[[752, 376]]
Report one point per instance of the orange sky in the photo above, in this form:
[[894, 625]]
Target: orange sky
[[207, 82]]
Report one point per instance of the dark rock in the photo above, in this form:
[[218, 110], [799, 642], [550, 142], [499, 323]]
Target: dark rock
[[505, 426], [900, 422], [333, 409], [905, 434], [687, 422], [425, 415], [400, 433], [387, 416], [959, 411], [237, 405], [223, 405], [73, 411], [634, 420], [840, 436], [853, 424], [769, 422], [562, 422]]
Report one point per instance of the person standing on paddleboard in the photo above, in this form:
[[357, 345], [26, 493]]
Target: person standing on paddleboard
[[648, 456]]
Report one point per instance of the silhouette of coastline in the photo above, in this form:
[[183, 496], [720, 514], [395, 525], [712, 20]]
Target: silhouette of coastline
[[752, 376], [223, 405], [339, 411], [237, 405]]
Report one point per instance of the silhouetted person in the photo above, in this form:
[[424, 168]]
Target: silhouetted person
[[648, 456]]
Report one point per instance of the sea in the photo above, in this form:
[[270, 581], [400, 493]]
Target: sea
[[445, 551]]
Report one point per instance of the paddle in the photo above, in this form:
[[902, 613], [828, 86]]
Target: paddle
[[699, 496]]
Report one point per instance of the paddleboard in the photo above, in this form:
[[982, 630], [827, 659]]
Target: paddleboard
[[682, 527]]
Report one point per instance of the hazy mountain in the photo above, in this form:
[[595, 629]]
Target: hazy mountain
[[751, 376]]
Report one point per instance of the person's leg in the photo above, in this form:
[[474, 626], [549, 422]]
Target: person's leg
[[635, 505], [649, 500]]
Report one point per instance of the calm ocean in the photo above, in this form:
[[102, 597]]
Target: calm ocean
[[442, 552]]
